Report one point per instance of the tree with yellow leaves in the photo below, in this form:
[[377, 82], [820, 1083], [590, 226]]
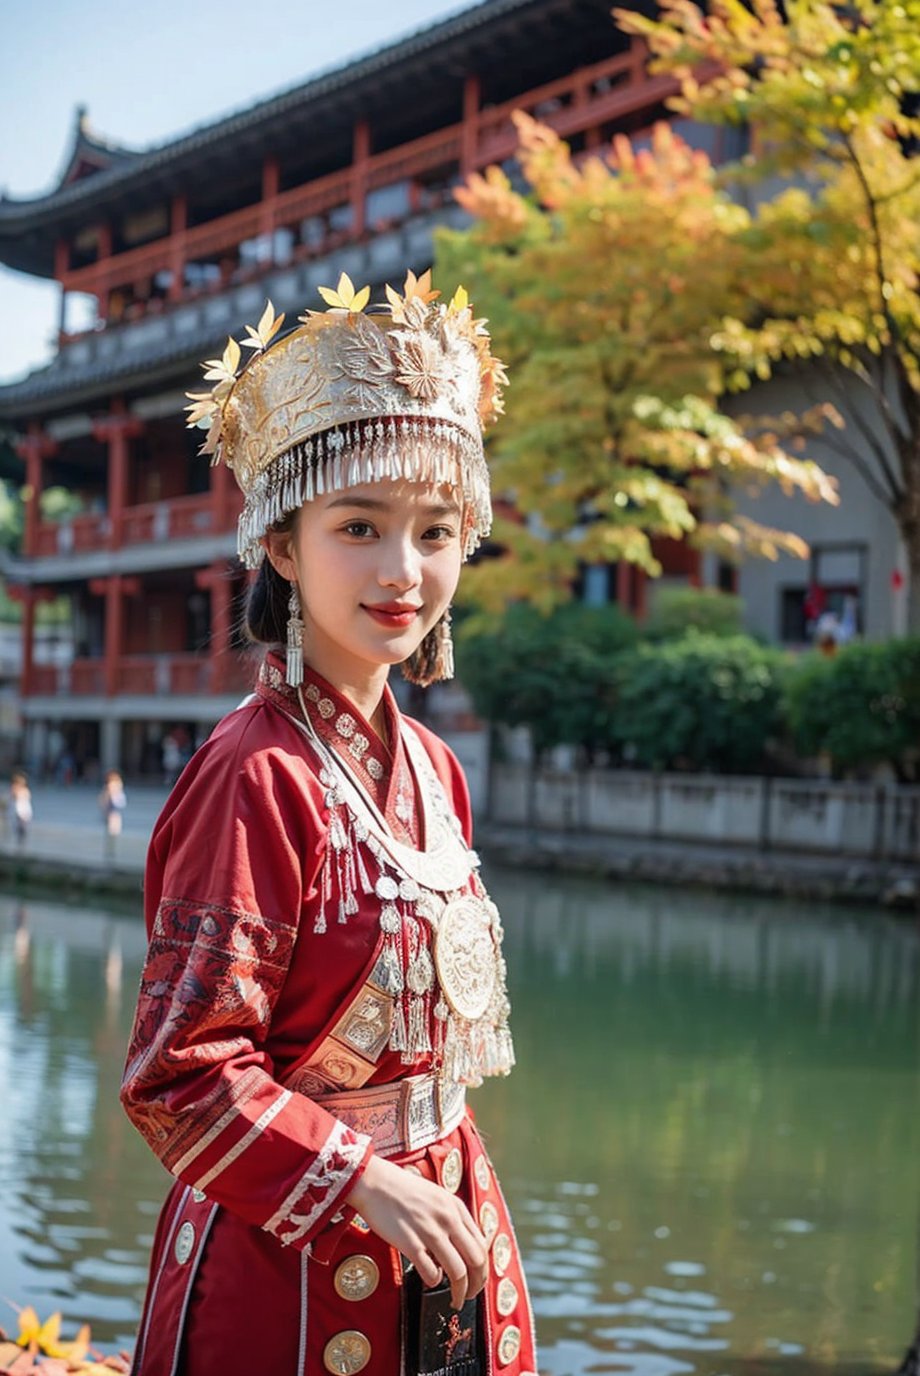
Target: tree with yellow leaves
[[604, 286], [831, 95]]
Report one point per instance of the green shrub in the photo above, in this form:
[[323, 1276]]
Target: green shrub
[[704, 702], [862, 707], [677, 610], [555, 674]]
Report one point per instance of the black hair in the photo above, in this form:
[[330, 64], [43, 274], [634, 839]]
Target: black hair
[[265, 615]]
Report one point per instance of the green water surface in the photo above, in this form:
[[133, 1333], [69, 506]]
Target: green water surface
[[711, 1143]]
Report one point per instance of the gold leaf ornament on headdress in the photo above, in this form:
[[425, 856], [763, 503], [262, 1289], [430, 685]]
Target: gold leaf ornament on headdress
[[344, 297], [207, 409], [403, 391]]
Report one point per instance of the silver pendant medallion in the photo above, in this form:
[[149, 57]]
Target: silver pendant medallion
[[464, 954]]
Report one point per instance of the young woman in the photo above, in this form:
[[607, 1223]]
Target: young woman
[[325, 977]]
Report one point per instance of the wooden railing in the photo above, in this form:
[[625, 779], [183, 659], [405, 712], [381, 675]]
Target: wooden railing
[[576, 103], [179, 518], [188, 675], [191, 675], [82, 677], [75, 536]]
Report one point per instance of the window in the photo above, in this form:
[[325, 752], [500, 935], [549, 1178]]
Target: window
[[830, 602]]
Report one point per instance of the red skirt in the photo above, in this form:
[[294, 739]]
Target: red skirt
[[227, 1299]]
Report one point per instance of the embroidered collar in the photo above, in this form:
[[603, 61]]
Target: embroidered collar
[[385, 775]]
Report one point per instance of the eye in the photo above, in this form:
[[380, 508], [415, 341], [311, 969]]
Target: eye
[[359, 530], [439, 533]]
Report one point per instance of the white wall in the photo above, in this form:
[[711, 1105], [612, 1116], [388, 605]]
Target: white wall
[[860, 518]]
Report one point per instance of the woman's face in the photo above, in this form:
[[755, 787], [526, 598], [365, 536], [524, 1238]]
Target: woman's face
[[376, 567]]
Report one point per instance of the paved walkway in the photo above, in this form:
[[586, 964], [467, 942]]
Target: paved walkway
[[68, 833]]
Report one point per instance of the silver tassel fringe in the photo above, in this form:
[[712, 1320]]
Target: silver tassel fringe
[[417, 448], [445, 648], [294, 673]]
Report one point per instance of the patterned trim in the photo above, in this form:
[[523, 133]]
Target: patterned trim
[[165, 1254], [210, 982], [245, 1142], [320, 1186], [341, 726], [304, 1283], [250, 1083], [517, 1252], [192, 1273]]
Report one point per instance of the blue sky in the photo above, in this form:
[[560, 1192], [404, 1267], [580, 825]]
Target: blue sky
[[147, 73]]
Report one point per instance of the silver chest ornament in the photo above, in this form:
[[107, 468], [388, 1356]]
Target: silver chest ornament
[[441, 934], [464, 953]]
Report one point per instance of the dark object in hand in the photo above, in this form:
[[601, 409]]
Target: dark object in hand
[[440, 1340]]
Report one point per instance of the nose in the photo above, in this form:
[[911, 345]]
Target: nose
[[399, 562]]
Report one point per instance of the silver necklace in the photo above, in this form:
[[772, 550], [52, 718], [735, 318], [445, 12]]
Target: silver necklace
[[446, 863]]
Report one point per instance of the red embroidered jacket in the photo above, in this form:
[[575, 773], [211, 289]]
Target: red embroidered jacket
[[237, 986]]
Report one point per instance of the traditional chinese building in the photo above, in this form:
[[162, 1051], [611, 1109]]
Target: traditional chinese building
[[178, 245]]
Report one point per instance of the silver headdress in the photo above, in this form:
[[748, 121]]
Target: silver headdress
[[348, 397]]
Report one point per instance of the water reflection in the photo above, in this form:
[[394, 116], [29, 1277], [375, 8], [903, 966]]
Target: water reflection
[[726, 1094], [76, 1188], [709, 1144]]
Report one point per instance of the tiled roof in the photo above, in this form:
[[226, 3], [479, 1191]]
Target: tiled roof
[[326, 85]]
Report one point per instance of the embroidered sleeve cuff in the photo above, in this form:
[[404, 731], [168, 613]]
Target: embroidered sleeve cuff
[[330, 1175]]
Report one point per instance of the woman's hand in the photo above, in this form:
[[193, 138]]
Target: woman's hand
[[431, 1227]]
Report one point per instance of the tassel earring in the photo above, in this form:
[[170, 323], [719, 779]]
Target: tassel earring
[[444, 660], [294, 673], [433, 661]]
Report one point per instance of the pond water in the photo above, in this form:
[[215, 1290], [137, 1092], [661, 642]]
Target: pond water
[[711, 1141]]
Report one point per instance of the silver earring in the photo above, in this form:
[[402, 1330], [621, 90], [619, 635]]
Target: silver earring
[[294, 673], [444, 660]]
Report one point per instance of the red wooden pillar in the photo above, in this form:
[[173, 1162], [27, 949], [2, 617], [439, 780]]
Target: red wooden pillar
[[178, 224], [361, 152], [222, 483], [103, 252], [469, 138], [581, 99], [271, 184], [34, 448], [641, 593], [117, 430], [61, 268], [638, 54], [29, 600], [111, 589], [33, 457], [216, 580], [624, 585]]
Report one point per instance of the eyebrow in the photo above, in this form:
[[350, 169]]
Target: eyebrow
[[374, 504]]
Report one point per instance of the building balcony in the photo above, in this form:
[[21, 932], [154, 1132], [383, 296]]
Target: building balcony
[[184, 532], [182, 518], [143, 676], [80, 533], [172, 339], [573, 104]]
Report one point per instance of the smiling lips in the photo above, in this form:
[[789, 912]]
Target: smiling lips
[[393, 614]]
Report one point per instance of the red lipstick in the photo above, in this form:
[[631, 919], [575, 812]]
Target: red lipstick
[[393, 614]]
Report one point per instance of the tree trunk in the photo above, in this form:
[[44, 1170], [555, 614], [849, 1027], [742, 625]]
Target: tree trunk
[[912, 541]]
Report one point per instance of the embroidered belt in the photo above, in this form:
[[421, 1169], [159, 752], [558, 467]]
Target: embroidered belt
[[403, 1116]]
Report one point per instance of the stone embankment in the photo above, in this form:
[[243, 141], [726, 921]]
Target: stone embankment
[[695, 864], [853, 845], [809, 837]]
